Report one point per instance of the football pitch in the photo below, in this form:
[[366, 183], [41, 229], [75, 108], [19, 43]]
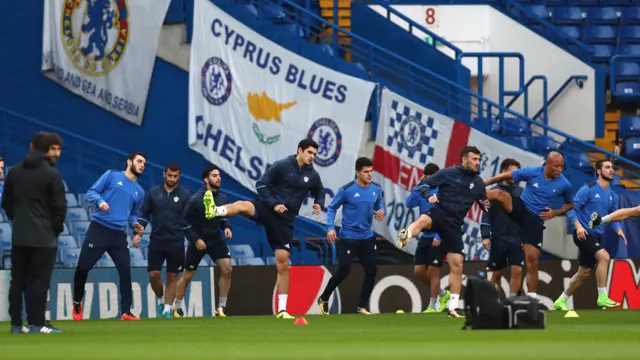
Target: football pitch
[[594, 335]]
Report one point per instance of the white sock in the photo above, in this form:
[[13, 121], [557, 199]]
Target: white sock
[[433, 302], [410, 231], [442, 293], [512, 294], [161, 300], [221, 211], [282, 302], [564, 296], [223, 301], [453, 301], [533, 295], [167, 308], [606, 219], [602, 290], [177, 304]]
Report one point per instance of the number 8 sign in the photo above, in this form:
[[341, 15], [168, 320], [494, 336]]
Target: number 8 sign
[[430, 16]]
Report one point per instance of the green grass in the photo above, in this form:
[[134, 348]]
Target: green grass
[[594, 335]]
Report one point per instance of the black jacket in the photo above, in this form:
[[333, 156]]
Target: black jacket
[[164, 211], [286, 183], [34, 201], [497, 225], [458, 189], [194, 223]]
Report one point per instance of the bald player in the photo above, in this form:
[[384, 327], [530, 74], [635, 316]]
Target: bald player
[[533, 208]]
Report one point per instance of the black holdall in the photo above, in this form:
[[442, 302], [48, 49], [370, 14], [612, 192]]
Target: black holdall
[[484, 310]]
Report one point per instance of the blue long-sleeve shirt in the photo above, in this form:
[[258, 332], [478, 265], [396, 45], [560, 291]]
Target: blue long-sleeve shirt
[[593, 198], [124, 197], [497, 225], [164, 209], [195, 224], [286, 183], [540, 192], [358, 207], [419, 197]]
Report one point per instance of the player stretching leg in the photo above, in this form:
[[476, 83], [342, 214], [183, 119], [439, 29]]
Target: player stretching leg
[[501, 236], [595, 197], [203, 233], [428, 258], [458, 188], [165, 203], [281, 191], [544, 185], [360, 200], [117, 198]]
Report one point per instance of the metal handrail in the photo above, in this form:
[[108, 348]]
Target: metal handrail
[[578, 79]]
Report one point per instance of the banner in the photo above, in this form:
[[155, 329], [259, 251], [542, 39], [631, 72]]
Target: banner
[[104, 50], [409, 137], [251, 101]]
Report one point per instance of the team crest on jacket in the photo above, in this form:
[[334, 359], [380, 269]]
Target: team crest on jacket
[[176, 199], [95, 34]]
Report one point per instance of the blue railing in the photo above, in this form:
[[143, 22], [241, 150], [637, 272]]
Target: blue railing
[[613, 78], [17, 129], [577, 79]]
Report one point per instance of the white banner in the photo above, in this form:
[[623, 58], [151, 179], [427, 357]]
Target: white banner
[[411, 136], [251, 101], [104, 50]]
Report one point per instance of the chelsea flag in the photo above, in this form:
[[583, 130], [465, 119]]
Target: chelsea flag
[[104, 50]]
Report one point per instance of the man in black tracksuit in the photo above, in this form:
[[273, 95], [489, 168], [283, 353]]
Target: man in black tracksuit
[[458, 188], [281, 191], [34, 201], [500, 235]]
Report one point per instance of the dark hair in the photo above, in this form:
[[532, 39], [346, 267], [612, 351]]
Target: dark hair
[[1, 159], [304, 144], [208, 171], [469, 150], [600, 163], [39, 142], [133, 155], [172, 166], [506, 163], [363, 162], [430, 169]]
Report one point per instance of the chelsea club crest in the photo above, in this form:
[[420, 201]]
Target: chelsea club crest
[[327, 134], [95, 34], [216, 81]]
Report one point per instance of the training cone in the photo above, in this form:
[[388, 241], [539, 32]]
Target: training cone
[[301, 321], [571, 314], [400, 312]]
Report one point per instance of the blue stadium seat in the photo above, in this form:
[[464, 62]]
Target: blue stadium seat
[[272, 11], [580, 161], [481, 123], [5, 231], [521, 142], [145, 240], [516, 127], [77, 214], [630, 16], [602, 16], [540, 12], [583, 2], [241, 251], [544, 144], [629, 126], [71, 200], [629, 49], [627, 92], [602, 53], [135, 254], [627, 70], [256, 261], [82, 200], [106, 261], [574, 32], [65, 229], [271, 260], [79, 228], [630, 34], [205, 261], [288, 32], [67, 242], [632, 147], [567, 16], [600, 35], [70, 257]]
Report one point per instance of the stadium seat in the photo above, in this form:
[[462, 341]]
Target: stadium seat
[[579, 161], [567, 16], [241, 251], [574, 32], [145, 240], [631, 16], [82, 199], [77, 214], [3, 218], [135, 254], [540, 12], [5, 231], [71, 200], [271, 260], [70, 257], [602, 16], [272, 11], [205, 261], [627, 88], [544, 144], [65, 229], [629, 49], [251, 261], [602, 53], [79, 227], [629, 126], [627, 70], [600, 35], [521, 142], [139, 263], [105, 261], [67, 242], [481, 123], [630, 34], [632, 147], [516, 127]]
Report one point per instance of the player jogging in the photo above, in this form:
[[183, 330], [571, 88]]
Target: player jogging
[[501, 236], [360, 200], [458, 188], [281, 191], [533, 208], [205, 237], [163, 205], [117, 198], [428, 258], [594, 197]]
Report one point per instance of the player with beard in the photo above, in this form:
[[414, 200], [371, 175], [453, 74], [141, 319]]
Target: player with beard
[[596, 197], [163, 205], [117, 198]]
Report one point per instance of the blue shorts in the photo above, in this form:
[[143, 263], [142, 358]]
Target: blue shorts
[[502, 254], [278, 227], [172, 252], [216, 249], [531, 229], [588, 249], [450, 233], [428, 255]]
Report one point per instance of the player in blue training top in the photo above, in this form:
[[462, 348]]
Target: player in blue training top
[[594, 197], [281, 190], [533, 208], [117, 198], [428, 257], [361, 200]]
